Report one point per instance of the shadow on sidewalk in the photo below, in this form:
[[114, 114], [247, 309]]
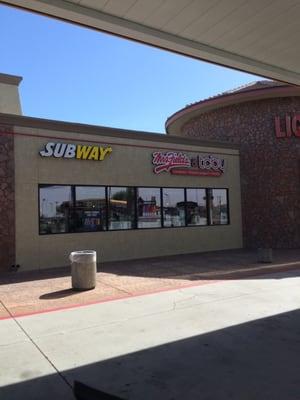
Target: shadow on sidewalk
[[254, 360], [59, 294]]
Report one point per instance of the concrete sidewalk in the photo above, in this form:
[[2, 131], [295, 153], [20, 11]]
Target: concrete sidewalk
[[234, 339], [25, 293]]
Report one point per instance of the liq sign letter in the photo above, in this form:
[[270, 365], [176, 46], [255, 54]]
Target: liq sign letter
[[182, 164], [288, 127], [78, 151]]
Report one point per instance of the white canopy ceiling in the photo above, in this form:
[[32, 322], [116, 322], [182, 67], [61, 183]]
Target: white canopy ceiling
[[257, 36]]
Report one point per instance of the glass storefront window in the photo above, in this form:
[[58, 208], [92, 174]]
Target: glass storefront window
[[121, 211], [148, 208], [173, 207], [70, 208], [218, 207], [196, 207], [56, 207], [90, 209]]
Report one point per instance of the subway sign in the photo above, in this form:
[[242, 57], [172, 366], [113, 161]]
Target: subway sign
[[77, 151], [181, 164]]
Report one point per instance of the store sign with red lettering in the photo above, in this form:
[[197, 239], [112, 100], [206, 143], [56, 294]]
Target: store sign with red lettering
[[182, 164], [288, 126]]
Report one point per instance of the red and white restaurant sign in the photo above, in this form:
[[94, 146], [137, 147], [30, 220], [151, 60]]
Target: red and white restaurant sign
[[182, 164]]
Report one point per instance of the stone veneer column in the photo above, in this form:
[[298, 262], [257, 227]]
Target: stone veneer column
[[9, 104], [7, 200]]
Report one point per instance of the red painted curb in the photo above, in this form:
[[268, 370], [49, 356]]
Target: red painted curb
[[107, 300]]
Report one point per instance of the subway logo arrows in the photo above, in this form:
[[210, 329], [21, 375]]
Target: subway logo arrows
[[78, 151]]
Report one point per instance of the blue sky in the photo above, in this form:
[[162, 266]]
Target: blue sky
[[75, 74]]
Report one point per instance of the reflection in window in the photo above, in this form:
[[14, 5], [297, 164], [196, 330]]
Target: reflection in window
[[148, 208], [69, 208], [90, 209], [56, 206], [121, 201], [218, 207], [173, 207], [196, 207]]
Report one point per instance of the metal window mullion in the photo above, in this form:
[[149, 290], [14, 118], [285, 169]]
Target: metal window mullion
[[135, 189], [71, 215], [208, 205], [227, 206], [161, 208], [185, 206], [106, 209]]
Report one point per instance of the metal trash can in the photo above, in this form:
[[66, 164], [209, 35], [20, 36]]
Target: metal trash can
[[83, 269], [265, 255]]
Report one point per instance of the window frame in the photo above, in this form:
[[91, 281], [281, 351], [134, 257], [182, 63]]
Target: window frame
[[74, 200], [162, 206], [206, 206], [73, 192], [45, 185], [161, 209], [135, 221], [208, 190]]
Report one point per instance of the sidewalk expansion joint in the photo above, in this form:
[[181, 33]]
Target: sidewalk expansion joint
[[117, 288]]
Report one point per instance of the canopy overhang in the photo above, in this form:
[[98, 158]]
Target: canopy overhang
[[259, 37]]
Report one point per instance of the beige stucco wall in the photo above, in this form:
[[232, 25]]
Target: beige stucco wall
[[9, 99], [127, 165]]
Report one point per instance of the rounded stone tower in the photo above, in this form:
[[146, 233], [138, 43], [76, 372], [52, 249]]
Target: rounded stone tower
[[264, 119]]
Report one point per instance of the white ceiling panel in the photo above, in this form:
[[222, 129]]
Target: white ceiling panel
[[281, 39], [168, 10], [118, 7], [264, 32], [257, 36], [236, 18], [95, 4], [142, 9], [241, 33], [188, 15], [211, 18]]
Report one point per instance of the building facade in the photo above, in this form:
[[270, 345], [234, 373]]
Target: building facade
[[125, 194], [227, 174], [264, 120]]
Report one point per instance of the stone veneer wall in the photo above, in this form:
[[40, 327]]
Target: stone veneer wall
[[7, 200], [270, 167]]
